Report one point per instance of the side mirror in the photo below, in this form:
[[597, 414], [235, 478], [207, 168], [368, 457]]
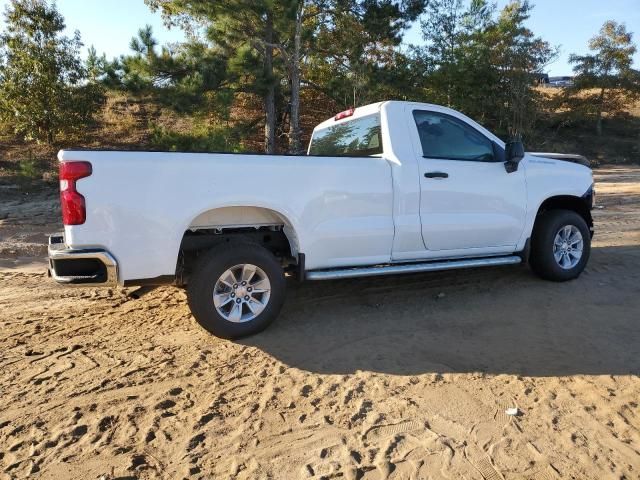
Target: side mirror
[[513, 152]]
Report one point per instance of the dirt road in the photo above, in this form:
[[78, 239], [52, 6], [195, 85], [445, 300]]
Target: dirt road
[[398, 378]]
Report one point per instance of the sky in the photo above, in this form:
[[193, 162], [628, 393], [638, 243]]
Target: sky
[[569, 24]]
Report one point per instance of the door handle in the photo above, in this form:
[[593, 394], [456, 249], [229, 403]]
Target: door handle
[[436, 175]]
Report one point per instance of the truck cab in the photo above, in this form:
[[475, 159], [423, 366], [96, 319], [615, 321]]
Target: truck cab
[[452, 195]]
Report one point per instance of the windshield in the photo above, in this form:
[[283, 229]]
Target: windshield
[[355, 138]]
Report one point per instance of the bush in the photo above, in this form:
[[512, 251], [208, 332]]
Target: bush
[[202, 138], [30, 169]]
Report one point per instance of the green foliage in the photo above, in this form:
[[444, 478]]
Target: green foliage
[[190, 77], [482, 63], [201, 138], [41, 74], [605, 81], [353, 50], [345, 48], [234, 30], [243, 35], [475, 58], [30, 169], [94, 65], [456, 53]]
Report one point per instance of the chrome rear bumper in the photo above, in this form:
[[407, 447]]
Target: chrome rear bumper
[[91, 266]]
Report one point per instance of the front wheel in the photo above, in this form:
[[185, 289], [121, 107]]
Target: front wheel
[[560, 245], [236, 290]]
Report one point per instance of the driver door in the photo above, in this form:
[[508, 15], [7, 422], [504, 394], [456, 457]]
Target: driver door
[[468, 202]]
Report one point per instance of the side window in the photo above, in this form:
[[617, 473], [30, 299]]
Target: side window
[[444, 136]]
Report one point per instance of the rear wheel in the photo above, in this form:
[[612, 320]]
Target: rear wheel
[[560, 245], [236, 290]]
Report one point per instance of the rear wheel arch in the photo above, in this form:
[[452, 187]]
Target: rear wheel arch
[[259, 225], [237, 216]]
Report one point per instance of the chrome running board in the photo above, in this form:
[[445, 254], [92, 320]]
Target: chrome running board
[[434, 266]]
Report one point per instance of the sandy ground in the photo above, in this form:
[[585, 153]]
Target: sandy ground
[[398, 377]]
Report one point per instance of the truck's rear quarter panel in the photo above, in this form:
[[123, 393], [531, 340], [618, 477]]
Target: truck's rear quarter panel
[[139, 204]]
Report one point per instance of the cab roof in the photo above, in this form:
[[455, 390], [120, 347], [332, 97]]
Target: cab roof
[[369, 110]]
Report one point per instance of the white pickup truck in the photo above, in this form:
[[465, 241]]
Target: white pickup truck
[[389, 188]]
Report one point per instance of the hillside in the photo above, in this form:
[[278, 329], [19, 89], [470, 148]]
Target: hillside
[[128, 122], [619, 144]]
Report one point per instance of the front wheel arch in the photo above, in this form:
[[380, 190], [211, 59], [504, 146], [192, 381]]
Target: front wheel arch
[[580, 205]]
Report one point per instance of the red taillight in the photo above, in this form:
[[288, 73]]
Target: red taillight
[[345, 114], [74, 211], [75, 170]]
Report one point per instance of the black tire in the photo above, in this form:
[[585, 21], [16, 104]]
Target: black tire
[[542, 259], [210, 268]]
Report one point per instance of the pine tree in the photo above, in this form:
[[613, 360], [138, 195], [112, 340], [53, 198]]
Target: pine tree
[[355, 58], [292, 42], [243, 31]]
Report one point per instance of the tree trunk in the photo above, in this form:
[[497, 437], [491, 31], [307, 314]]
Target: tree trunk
[[599, 117], [295, 140], [599, 124], [270, 96], [47, 129]]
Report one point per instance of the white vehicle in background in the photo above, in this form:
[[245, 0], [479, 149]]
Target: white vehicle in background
[[393, 187], [561, 81]]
